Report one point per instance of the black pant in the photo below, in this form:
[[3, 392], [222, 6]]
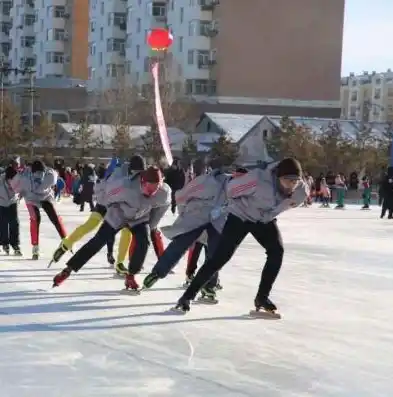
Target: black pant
[[91, 204], [9, 226], [173, 201], [235, 230], [387, 205], [192, 264], [104, 234]]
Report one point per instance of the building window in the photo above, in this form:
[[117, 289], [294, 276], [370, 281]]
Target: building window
[[54, 57], [100, 59], [190, 57], [182, 15], [113, 44], [192, 28], [203, 57], [354, 96], [180, 43], [93, 26], [377, 93], [128, 67], [159, 10], [6, 27], [129, 41], [29, 19], [27, 41], [147, 64], [352, 112], [138, 25], [59, 11], [378, 80], [138, 51], [101, 34], [6, 7], [102, 8], [114, 70], [117, 19]]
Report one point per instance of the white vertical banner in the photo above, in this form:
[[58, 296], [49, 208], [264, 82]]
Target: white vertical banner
[[160, 116]]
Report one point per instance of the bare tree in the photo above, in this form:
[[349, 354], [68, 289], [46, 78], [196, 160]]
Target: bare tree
[[151, 145], [189, 149], [225, 150], [10, 128], [83, 139]]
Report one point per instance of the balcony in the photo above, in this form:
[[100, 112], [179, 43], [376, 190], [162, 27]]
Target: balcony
[[207, 64], [209, 5]]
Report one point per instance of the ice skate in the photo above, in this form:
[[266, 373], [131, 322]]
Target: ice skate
[[218, 286], [59, 253], [6, 249], [150, 280], [121, 271], [131, 286], [188, 280], [208, 296], [182, 307], [265, 309], [17, 251], [61, 277], [36, 252], [110, 259]]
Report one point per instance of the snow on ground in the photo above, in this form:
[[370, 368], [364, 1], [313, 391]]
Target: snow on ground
[[85, 339]]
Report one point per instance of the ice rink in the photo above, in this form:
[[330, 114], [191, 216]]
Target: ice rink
[[335, 293]]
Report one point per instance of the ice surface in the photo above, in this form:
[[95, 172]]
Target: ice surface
[[85, 339]]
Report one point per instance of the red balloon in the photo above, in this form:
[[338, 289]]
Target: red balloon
[[159, 39]]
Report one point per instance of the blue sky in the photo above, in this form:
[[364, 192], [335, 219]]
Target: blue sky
[[368, 32]]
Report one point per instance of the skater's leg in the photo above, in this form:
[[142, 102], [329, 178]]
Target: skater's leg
[[235, 230], [158, 243], [4, 232], [92, 223], [139, 246], [92, 247], [384, 208], [53, 216], [13, 222], [174, 252], [35, 221], [110, 244], [193, 257], [269, 236], [124, 244], [91, 204], [212, 243], [173, 201]]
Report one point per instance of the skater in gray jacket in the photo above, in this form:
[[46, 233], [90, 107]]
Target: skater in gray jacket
[[254, 202]]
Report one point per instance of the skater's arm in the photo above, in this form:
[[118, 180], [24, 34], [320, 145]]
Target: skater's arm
[[191, 190], [156, 214], [50, 179]]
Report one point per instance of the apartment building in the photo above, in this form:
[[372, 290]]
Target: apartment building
[[219, 59], [47, 36], [5, 40], [367, 97]]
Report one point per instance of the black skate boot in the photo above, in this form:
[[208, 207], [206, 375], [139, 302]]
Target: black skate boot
[[208, 295], [265, 308], [218, 286], [17, 251], [182, 306], [36, 253], [110, 259], [6, 249], [189, 278], [150, 280], [61, 277]]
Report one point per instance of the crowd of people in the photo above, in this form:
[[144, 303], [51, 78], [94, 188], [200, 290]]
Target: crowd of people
[[215, 211]]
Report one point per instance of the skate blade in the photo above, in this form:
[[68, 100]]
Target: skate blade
[[119, 276], [176, 311], [265, 314], [50, 264], [205, 301], [130, 292]]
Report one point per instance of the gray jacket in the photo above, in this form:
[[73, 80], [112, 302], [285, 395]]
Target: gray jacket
[[254, 197], [127, 206], [7, 194], [35, 187], [99, 192], [200, 202]]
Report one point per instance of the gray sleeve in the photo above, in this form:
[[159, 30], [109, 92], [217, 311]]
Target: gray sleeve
[[156, 214]]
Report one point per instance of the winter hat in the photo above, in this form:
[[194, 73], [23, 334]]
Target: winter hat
[[37, 165], [152, 175], [290, 168], [136, 163], [10, 172], [199, 167]]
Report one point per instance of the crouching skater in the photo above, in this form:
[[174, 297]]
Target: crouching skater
[[254, 202], [36, 187], [200, 205], [138, 202]]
